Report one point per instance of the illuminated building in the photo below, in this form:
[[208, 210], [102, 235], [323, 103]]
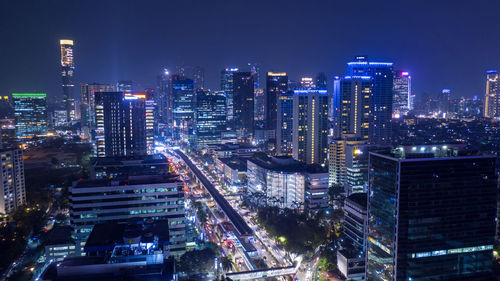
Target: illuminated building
[[276, 84], [445, 101], [6, 109], [124, 124], [195, 72], [307, 83], [119, 200], [286, 183], [126, 86], [58, 119], [284, 128], [354, 111], [226, 85], [382, 93], [164, 99], [431, 214], [183, 90], [243, 104], [260, 105], [348, 163], [67, 72], [321, 81], [30, 110], [87, 97], [210, 117], [12, 186], [310, 126], [492, 95], [402, 93]]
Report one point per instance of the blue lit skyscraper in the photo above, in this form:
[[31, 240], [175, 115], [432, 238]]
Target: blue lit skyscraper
[[226, 85], [210, 117], [284, 130], [276, 84], [183, 90], [382, 74], [401, 103]]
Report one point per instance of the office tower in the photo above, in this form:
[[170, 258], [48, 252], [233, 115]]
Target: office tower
[[243, 104], [260, 105], [12, 187], [164, 98], [195, 72], [382, 75], [348, 163], [307, 83], [119, 166], [226, 85], [87, 96], [353, 98], [287, 183], [444, 100], [6, 109], [126, 86], [255, 69], [492, 95], [284, 128], [67, 72], [120, 200], [431, 214], [321, 81], [402, 93], [210, 117], [123, 124], [183, 92], [310, 126], [351, 256], [30, 110], [276, 84]]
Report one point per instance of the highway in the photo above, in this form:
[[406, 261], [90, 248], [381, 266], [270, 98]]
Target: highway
[[238, 222]]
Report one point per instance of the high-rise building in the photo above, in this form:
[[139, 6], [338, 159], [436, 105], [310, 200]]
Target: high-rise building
[[431, 214], [184, 102], [67, 72], [310, 126], [382, 93], [124, 124], [402, 93], [321, 81], [226, 85], [445, 101], [197, 73], [276, 84], [260, 105], [284, 128], [30, 110], [87, 97], [307, 83], [492, 95], [164, 98], [12, 186], [243, 104], [119, 200], [353, 99], [126, 86], [210, 117]]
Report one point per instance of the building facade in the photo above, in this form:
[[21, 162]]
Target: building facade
[[12, 185], [226, 85], [401, 102], [87, 97], [243, 104], [431, 214], [310, 126], [67, 73], [284, 128], [30, 110], [184, 102], [276, 84], [492, 95], [210, 117]]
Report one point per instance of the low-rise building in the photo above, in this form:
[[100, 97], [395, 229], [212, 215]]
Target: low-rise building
[[113, 167], [233, 171]]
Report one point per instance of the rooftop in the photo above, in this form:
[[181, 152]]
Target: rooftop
[[130, 180], [358, 199], [429, 152], [235, 163], [129, 160], [285, 164]]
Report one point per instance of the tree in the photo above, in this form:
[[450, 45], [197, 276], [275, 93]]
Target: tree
[[336, 194], [197, 261], [227, 263]]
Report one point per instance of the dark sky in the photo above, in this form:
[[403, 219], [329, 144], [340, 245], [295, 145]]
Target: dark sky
[[443, 43]]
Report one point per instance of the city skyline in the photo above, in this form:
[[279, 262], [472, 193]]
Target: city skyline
[[455, 56]]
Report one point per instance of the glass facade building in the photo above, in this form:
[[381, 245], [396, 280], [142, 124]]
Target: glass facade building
[[276, 84], [401, 103], [284, 128], [210, 117], [30, 110], [184, 103], [226, 85], [243, 104], [67, 72], [492, 95], [431, 215]]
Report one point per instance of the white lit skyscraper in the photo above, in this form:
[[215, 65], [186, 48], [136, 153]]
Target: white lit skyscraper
[[492, 95], [67, 72], [402, 93], [12, 187]]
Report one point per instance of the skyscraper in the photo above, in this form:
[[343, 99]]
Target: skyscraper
[[354, 111], [321, 81], [492, 95], [124, 124], [310, 126], [126, 86], [243, 103], [431, 214], [30, 110], [164, 98], [87, 97], [183, 91], [276, 84], [402, 93], [445, 101], [382, 92], [67, 72], [210, 117], [307, 83], [284, 128], [226, 85], [12, 186]]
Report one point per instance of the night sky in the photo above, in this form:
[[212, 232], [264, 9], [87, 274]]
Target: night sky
[[444, 44]]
